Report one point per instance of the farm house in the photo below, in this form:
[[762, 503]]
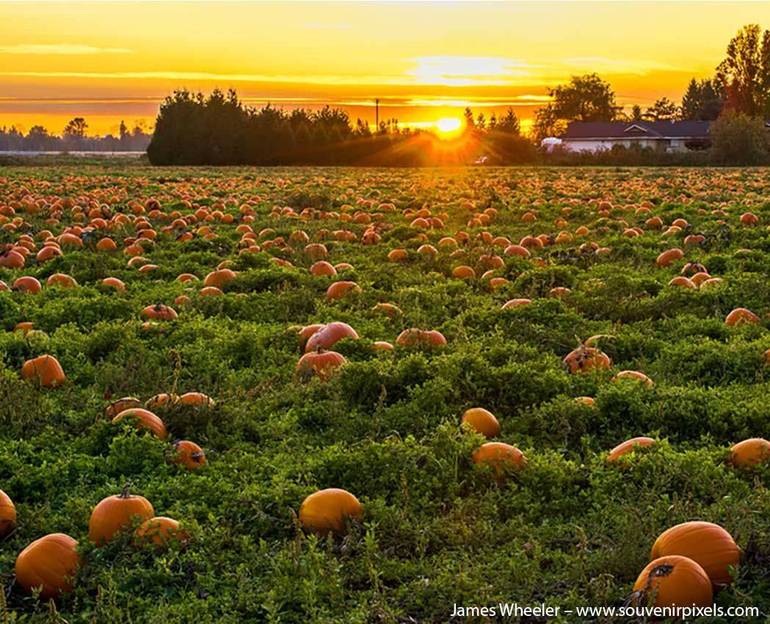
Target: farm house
[[665, 136]]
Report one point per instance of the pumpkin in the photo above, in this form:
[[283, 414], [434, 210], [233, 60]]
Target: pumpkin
[[682, 281], [328, 511], [114, 408], [463, 272], [329, 335], [219, 278], [382, 345], [115, 514], [114, 282], [27, 284], [585, 359], [339, 290], [322, 364], [46, 369], [48, 564], [390, 310], [669, 256], [144, 419], [323, 268], [164, 399], [397, 255], [634, 376], [482, 421], [189, 454], [706, 543], [62, 280], [499, 456], [7, 515], [739, 316], [197, 399], [420, 337], [515, 303], [673, 581], [160, 312], [629, 446], [160, 531], [307, 331], [749, 453]]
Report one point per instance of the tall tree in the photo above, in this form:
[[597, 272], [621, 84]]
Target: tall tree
[[509, 123], [76, 128], [636, 113], [701, 101], [584, 98], [744, 74], [662, 110]]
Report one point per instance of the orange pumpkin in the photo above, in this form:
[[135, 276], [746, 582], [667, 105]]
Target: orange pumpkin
[[114, 282], [114, 408], [669, 256], [515, 303], [160, 531], [585, 359], [160, 312], [46, 369], [750, 453], [741, 316], [27, 284], [189, 454], [420, 337], [629, 446], [328, 511], [197, 399], [7, 515], [219, 278], [115, 514], [339, 290], [61, 280], [48, 564], [390, 310], [500, 456], [322, 268], [482, 421], [328, 335], [635, 376], [706, 543], [144, 419], [322, 364], [673, 581], [163, 399]]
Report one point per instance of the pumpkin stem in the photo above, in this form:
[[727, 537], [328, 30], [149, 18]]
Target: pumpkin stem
[[126, 492]]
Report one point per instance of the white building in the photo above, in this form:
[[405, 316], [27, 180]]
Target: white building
[[664, 136]]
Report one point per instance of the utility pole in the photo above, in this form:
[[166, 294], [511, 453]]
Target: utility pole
[[377, 115]]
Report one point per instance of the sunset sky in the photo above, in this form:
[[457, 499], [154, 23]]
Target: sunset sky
[[109, 61]]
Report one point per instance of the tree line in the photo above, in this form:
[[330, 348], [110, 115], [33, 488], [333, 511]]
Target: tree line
[[192, 129], [74, 138]]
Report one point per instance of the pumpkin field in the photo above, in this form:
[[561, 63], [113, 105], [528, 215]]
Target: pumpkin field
[[321, 395]]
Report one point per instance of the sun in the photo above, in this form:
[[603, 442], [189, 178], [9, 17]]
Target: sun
[[448, 127]]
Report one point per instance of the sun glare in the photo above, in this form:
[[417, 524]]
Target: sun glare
[[448, 126]]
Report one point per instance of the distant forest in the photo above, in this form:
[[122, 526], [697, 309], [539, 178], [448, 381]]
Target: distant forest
[[74, 138]]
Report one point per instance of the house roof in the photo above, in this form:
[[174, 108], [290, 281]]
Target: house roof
[[626, 129]]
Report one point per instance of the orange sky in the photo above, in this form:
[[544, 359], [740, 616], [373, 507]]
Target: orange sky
[[109, 61]]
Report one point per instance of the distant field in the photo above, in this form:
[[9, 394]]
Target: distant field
[[566, 528]]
